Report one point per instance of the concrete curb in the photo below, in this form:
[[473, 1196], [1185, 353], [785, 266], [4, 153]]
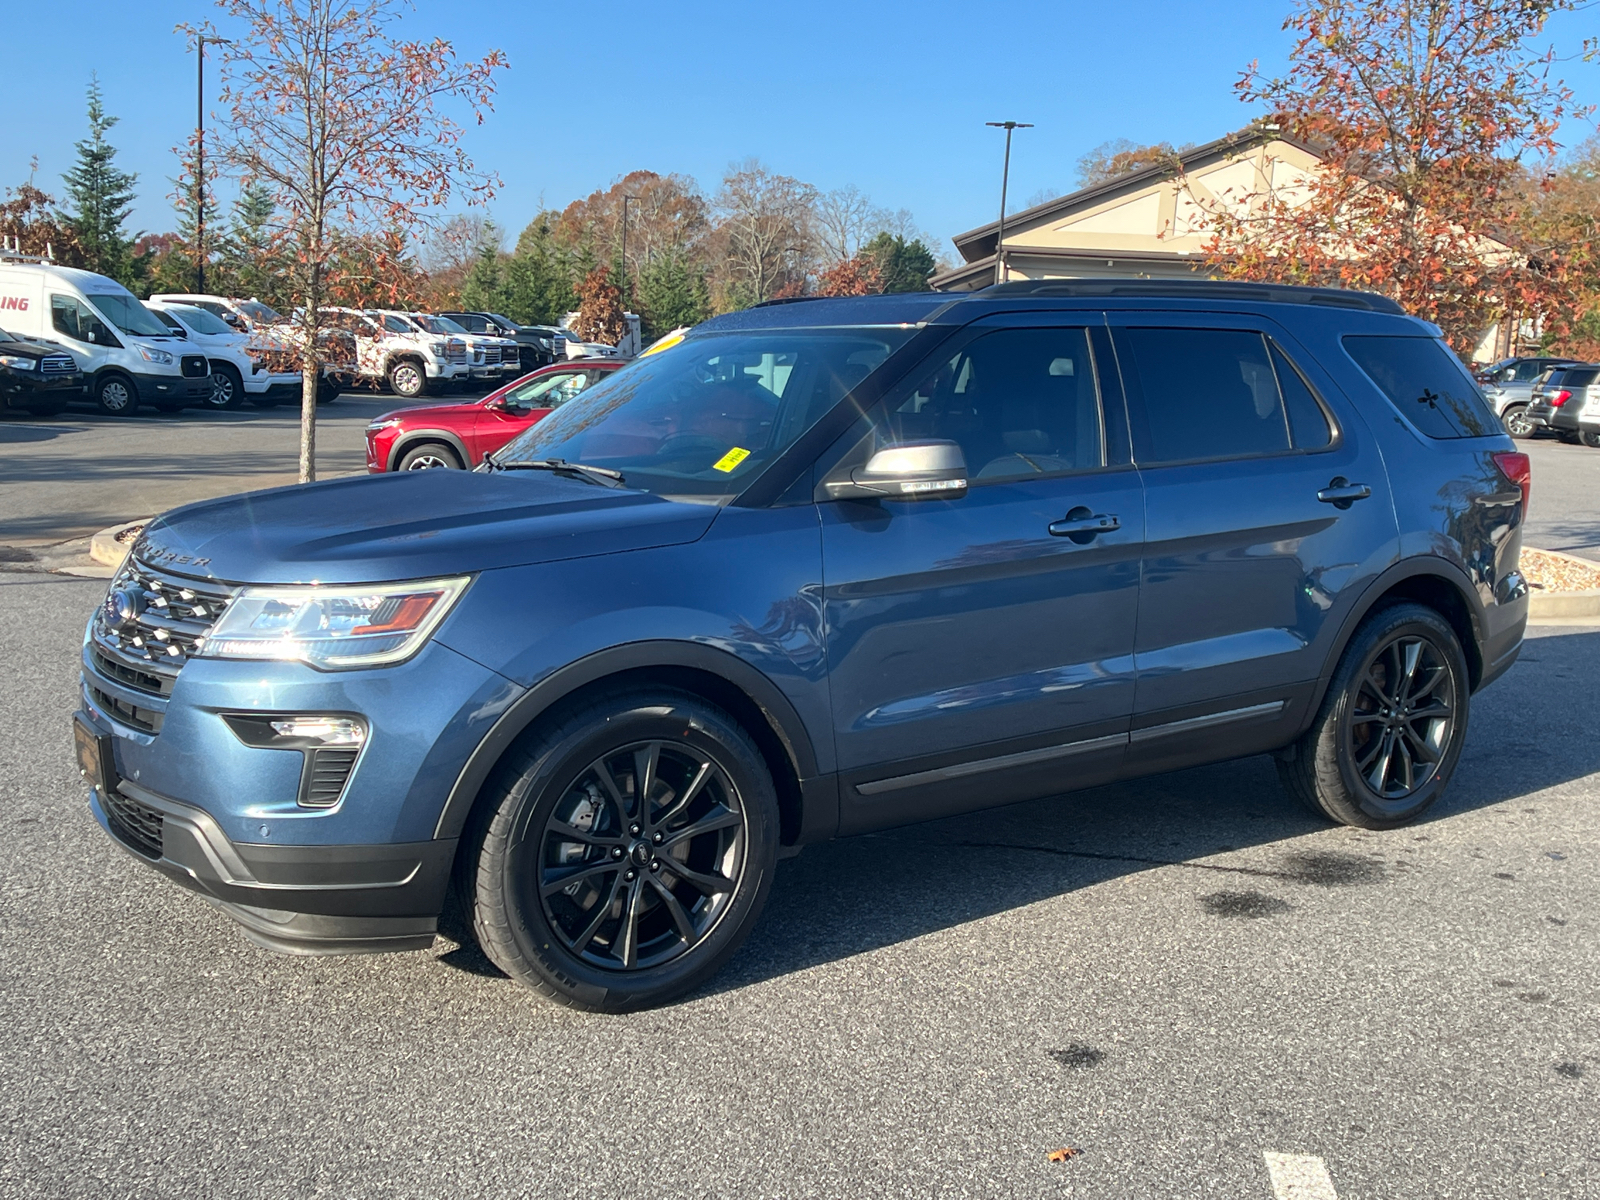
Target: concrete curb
[[1565, 608], [110, 546]]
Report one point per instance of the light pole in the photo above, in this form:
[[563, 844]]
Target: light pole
[[625, 199], [1005, 178], [200, 160]]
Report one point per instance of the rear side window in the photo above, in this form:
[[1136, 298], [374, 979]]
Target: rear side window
[[1204, 394], [1574, 377], [1426, 382], [1308, 422]]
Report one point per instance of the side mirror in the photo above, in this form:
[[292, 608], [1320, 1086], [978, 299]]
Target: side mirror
[[930, 470]]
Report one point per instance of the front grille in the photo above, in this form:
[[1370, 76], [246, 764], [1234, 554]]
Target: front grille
[[328, 773], [137, 824], [58, 364], [146, 720], [195, 366], [171, 619], [491, 356], [456, 352]]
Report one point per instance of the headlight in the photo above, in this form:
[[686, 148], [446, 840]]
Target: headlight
[[438, 349], [17, 363], [155, 356], [386, 423], [333, 628]]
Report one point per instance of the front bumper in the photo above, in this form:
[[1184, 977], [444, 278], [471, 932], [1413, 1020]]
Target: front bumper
[[297, 899], [154, 388], [444, 370], [275, 384], [18, 389]]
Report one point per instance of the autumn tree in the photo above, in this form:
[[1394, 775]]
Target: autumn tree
[[99, 198], [1421, 112], [339, 119], [30, 224], [1561, 224], [600, 316], [764, 235], [857, 276], [1116, 158]]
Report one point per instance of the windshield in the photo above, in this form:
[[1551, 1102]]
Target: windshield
[[199, 320], [128, 315], [504, 322], [258, 311], [702, 418], [442, 325]]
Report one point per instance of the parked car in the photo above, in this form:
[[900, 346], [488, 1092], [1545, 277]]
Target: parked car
[[390, 349], [459, 435], [243, 316], [1562, 398], [37, 377], [816, 569], [129, 356], [1509, 384], [537, 345], [274, 347], [236, 373], [491, 358]]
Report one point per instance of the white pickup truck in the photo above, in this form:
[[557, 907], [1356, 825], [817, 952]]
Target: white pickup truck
[[390, 349]]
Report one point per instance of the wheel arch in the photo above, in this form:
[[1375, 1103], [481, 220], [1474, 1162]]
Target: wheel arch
[[715, 675], [414, 437], [1429, 580]]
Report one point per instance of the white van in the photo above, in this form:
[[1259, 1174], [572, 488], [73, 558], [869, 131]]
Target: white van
[[128, 355]]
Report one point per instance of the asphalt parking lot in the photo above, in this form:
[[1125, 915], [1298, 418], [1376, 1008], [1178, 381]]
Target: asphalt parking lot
[[1175, 978]]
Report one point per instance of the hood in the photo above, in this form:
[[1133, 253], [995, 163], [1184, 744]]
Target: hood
[[431, 412], [411, 525], [29, 347]]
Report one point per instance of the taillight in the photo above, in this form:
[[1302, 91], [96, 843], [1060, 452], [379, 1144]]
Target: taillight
[[1557, 399], [1517, 468]]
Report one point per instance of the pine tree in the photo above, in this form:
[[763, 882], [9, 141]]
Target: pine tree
[[904, 266], [539, 284], [672, 292], [101, 197], [249, 251]]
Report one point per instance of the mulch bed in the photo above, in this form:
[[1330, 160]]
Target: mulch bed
[[1558, 573]]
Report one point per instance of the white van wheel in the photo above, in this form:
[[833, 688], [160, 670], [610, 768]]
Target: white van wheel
[[116, 397]]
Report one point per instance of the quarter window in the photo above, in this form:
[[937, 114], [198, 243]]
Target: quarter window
[[1308, 422], [1426, 382], [1204, 393]]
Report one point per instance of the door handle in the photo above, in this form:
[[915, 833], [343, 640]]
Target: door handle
[[1341, 493], [1082, 526]]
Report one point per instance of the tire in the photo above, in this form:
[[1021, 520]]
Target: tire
[[1335, 769], [575, 946], [408, 379], [428, 456], [1517, 423], [227, 387], [116, 396], [327, 391], [1590, 439]]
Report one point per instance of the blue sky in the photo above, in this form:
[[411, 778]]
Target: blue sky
[[890, 97]]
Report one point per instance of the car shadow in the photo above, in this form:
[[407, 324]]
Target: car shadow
[[1528, 732]]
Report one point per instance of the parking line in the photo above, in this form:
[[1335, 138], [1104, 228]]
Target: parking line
[[1299, 1177]]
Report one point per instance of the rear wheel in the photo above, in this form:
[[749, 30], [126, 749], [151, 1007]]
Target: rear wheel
[[1391, 727], [427, 457], [1517, 423], [621, 856], [116, 397], [1590, 439]]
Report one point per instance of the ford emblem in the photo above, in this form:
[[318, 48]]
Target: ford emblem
[[122, 608]]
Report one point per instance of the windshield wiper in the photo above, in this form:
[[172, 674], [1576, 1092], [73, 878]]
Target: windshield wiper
[[604, 476]]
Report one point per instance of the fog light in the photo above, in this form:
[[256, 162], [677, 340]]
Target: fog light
[[330, 745], [323, 731]]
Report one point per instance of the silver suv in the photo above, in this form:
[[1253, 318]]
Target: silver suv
[[1508, 386], [1563, 400]]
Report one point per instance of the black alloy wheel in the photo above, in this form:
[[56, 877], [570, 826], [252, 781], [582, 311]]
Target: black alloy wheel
[[1402, 719], [641, 857], [1391, 726], [623, 852]]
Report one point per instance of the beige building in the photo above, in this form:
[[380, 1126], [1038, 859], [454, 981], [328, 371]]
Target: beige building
[[1147, 224]]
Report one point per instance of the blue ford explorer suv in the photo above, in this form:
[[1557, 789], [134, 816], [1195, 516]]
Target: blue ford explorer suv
[[816, 569]]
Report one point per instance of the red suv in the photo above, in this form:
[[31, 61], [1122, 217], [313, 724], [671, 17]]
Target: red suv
[[459, 435]]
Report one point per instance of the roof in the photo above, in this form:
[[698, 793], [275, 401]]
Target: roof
[[977, 243], [800, 312], [1192, 289]]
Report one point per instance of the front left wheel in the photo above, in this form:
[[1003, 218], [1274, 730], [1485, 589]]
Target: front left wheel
[[1391, 727], [620, 856]]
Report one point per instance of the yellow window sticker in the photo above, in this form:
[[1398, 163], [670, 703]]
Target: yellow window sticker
[[731, 459]]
